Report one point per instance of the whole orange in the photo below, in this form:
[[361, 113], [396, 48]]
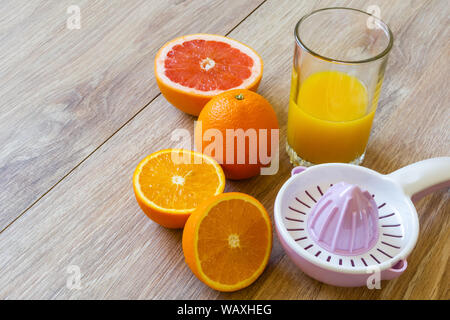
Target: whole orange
[[237, 128]]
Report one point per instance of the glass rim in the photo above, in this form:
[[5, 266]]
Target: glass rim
[[374, 58]]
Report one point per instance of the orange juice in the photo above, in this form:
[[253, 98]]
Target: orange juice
[[329, 117]]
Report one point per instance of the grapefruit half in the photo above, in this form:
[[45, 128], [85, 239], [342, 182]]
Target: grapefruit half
[[192, 69]]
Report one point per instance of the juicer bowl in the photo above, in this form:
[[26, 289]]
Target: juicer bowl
[[397, 224], [339, 278]]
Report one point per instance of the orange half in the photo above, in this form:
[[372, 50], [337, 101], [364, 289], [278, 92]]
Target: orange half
[[170, 184], [227, 241], [192, 69]]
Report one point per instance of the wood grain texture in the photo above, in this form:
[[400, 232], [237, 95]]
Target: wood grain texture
[[91, 219], [64, 92]]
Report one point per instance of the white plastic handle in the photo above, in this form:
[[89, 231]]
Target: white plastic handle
[[423, 177]]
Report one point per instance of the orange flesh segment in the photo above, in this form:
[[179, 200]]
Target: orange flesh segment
[[179, 186], [232, 241], [207, 65]]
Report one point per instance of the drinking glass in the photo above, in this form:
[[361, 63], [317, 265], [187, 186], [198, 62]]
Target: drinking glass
[[339, 62]]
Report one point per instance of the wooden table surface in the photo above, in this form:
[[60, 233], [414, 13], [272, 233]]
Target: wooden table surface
[[80, 108]]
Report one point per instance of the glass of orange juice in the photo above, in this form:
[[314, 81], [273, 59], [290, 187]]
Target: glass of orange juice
[[339, 63]]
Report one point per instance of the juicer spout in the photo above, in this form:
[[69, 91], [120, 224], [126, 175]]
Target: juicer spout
[[395, 271]]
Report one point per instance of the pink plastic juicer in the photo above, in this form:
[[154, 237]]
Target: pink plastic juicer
[[340, 223]]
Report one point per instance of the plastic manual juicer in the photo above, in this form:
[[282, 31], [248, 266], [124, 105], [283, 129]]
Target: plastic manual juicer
[[340, 223]]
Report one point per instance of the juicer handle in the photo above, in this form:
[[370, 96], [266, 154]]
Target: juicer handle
[[423, 177]]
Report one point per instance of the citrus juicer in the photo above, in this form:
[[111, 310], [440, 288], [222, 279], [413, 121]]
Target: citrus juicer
[[341, 223]]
